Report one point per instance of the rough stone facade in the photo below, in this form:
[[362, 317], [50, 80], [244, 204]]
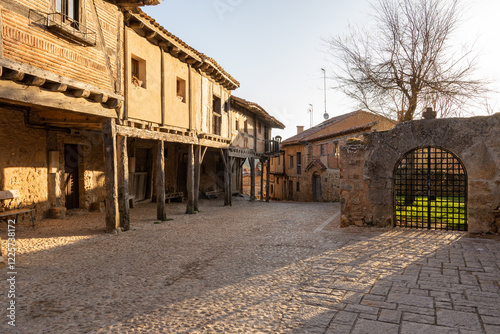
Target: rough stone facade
[[367, 168]]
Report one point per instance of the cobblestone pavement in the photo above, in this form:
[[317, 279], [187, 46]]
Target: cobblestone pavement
[[251, 268]]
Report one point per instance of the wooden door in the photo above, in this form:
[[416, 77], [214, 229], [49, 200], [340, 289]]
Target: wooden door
[[71, 172]]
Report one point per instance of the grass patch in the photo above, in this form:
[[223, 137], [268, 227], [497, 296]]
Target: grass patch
[[451, 211]]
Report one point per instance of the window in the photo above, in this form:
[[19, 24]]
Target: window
[[216, 116], [237, 125], [299, 163], [272, 189], [277, 181], [298, 186], [291, 161], [70, 9], [259, 124], [245, 126], [138, 72], [181, 90], [322, 149], [337, 147]]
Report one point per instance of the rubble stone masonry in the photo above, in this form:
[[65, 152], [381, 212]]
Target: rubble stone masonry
[[367, 168]]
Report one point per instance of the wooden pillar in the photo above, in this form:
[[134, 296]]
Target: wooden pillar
[[268, 177], [111, 174], [252, 179], [160, 181], [197, 163], [227, 178], [190, 181], [261, 180], [123, 183]]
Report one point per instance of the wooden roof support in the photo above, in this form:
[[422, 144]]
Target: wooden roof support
[[100, 98], [55, 86], [81, 93], [32, 80], [12, 74]]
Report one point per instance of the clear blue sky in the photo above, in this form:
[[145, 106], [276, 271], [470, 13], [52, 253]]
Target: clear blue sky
[[275, 48]]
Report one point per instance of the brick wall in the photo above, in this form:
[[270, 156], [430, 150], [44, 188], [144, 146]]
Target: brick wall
[[31, 44]]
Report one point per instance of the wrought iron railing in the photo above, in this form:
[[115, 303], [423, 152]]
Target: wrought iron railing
[[64, 26]]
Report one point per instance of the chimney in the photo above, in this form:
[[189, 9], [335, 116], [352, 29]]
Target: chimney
[[300, 128]]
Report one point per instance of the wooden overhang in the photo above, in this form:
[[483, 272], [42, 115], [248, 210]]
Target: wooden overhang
[[214, 141], [147, 27], [27, 85], [258, 111]]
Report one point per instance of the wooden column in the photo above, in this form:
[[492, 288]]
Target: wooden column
[[190, 181], [160, 181], [261, 180], [197, 163], [252, 179], [123, 183], [227, 178], [268, 177], [111, 174]]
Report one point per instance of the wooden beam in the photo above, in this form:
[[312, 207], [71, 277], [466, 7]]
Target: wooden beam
[[81, 93], [28, 69], [113, 103], [55, 86], [100, 98], [136, 25], [252, 179], [261, 180], [112, 208], [12, 74], [160, 182], [154, 135], [150, 34], [33, 96], [197, 169], [268, 176], [33, 80], [190, 181], [123, 183]]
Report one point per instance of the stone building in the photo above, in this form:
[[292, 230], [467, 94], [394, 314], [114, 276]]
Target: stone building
[[426, 174], [308, 168], [100, 106]]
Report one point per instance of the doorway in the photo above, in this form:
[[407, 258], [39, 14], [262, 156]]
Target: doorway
[[71, 176], [316, 187]]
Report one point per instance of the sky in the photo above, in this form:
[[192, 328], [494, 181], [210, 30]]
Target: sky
[[276, 48]]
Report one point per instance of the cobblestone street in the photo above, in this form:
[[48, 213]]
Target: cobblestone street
[[252, 268]]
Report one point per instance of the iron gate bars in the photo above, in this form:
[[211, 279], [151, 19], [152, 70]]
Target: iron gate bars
[[430, 190]]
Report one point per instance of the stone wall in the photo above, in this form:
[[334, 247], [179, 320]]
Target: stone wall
[[367, 168], [24, 163]]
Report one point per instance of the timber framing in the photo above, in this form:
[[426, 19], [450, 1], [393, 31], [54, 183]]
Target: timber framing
[[32, 85], [147, 27], [156, 135]]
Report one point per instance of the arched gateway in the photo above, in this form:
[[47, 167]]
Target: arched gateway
[[430, 190]]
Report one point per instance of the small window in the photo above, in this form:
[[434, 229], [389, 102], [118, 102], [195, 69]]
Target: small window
[[291, 161], [277, 181], [298, 186], [237, 125], [181, 90], [138, 72], [322, 149], [260, 127], [216, 116], [337, 151], [272, 189], [299, 163], [70, 9], [245, 126]]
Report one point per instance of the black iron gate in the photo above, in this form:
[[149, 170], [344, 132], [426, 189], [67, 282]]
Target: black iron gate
[[430, 190]]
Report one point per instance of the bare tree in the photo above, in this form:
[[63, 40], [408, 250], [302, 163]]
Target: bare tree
[[406, 63]]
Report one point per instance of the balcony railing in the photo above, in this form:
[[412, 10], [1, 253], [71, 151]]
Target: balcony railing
[[272, 147], [64, 26]]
